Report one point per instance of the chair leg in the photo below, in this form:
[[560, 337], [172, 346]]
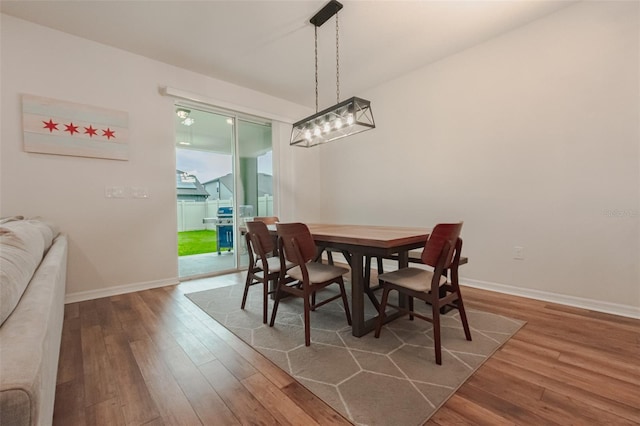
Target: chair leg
[[435, 308], [463, 317], [265, 300], [275, 306], [381, 311], [344, 300], [410, 308], [247, 284], [307, 330]]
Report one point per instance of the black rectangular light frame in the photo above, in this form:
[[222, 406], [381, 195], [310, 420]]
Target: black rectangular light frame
[[362, 120], [326, 12]]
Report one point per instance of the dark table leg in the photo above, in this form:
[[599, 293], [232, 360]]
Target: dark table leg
[[357, 296], [360, 326]]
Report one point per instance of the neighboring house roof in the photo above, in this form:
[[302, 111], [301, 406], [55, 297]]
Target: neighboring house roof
[[265, 183], [189, 186], [226, 181]]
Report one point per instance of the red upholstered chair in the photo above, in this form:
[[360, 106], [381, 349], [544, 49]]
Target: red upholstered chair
[[297, 246], [441, 251], [264, 267]]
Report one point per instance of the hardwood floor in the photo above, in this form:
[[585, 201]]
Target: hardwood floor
[[154, 358]]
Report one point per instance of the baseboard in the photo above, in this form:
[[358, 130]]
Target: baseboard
[[562, 299], [578, 302], [81, 296]]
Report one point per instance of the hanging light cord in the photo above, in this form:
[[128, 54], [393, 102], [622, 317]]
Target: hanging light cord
[[316, 51], [337, 63]]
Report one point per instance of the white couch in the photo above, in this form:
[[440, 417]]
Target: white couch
[[33, 267]]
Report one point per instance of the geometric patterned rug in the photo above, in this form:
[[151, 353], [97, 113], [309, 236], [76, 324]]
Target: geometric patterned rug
[[393, 380]]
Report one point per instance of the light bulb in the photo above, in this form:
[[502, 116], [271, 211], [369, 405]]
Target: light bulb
[[338, 123], [307, 135], [326, 127], [349, 119], [317, 131]]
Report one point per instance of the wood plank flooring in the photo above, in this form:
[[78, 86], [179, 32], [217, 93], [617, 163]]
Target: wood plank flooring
[[154, 358]]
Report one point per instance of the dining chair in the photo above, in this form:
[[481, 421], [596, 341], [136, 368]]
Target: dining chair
[[264, 268], [297, 246], [441, 251], [270, 220]]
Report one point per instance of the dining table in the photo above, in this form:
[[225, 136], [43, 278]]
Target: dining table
[[356, 242]]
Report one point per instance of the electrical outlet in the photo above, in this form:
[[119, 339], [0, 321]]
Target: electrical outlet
[[518, 253]]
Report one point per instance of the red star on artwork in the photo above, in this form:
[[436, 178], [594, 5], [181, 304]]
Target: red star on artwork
[[71, 128], [90, 131], [50, 125], [109, 133]]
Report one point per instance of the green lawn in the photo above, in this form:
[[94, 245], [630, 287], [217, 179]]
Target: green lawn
[[196, 242]]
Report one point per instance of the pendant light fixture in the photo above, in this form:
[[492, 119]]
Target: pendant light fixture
[[345, 118]]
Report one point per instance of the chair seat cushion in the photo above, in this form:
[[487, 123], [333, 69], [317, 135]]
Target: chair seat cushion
[[274, 264], [412, 278], [318, 272]]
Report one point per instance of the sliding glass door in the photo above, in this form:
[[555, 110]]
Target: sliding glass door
[[224, 176]]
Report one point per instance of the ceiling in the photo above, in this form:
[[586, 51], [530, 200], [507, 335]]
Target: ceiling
[[268, 45]]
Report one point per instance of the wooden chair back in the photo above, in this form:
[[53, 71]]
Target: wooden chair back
[[297, 241], [443, 234], [260, 235], [296, 244]]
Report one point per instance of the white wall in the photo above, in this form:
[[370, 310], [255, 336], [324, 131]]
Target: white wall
[[114, 243], [298, 168], [530, 138]]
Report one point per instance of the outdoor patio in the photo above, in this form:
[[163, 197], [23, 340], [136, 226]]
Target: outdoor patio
[[207, 263]]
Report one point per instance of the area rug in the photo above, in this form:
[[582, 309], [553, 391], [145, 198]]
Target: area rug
[[393, 380]]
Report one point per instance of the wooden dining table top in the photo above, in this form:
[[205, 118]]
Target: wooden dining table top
[[368, 235]]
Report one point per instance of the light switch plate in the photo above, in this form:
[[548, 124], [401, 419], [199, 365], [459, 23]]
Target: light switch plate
[[114, 192], [139, 192]]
